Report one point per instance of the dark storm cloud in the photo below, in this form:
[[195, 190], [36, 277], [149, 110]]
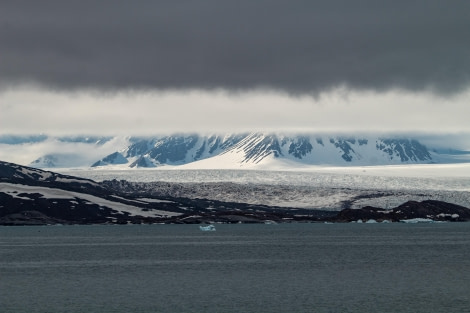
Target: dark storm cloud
[[296, 46]]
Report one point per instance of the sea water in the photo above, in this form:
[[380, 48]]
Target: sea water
[[237, 268]]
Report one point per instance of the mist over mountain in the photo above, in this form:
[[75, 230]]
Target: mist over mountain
[[231, 151]]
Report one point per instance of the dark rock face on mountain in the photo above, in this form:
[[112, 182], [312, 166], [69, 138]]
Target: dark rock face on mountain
[[345, 146], [142, 161], [300, 147], [177, 149], [406, 150], [254, 148], [257, 148], [429, 209], [173, 149], [113, 158]]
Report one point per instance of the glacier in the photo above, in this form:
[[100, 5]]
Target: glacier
[[317, 188]]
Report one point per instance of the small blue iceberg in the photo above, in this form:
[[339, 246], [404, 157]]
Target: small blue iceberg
[[207, 228]]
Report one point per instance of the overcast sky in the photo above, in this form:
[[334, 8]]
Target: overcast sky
[[142, 67]]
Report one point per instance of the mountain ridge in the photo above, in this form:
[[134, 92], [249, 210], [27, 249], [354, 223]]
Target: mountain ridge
[[229, 151], [253, 149]]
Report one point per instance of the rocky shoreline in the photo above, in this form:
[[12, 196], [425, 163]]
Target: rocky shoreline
[[425, 211]]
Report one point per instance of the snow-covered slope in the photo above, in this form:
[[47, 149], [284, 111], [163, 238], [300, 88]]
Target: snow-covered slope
[[258, 150]]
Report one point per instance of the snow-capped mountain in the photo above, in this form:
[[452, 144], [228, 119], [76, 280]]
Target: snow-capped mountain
[[258, 149], [227, 151], [171, 150]]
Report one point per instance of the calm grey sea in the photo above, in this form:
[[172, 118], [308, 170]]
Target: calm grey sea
[[238, 268]]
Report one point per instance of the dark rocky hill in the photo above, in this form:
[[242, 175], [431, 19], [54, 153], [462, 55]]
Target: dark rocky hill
[[33, 196], [426, 210]]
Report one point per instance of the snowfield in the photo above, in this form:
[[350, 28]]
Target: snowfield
[[318, 187]]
